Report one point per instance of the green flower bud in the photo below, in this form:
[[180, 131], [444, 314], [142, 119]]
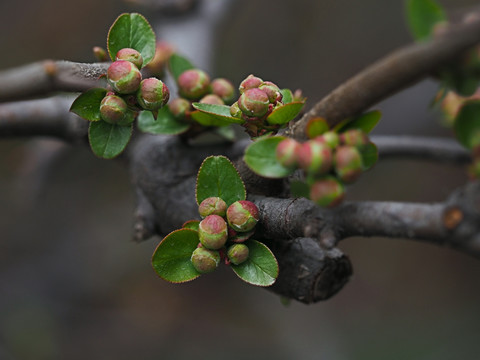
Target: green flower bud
[[212, 99], [330, 138], [212, 206], [114, 110], [193, 84], [237, 253], [287, 152], [153, 94], [327, 192], [242, 215], [124, 77], [179, 107], [131, 55], [272, 91], [212, 232], [348, 163], [224, 89], [354, 137], [250, 82], [205, 260], [235, 110], [315, 157], [253, 103]]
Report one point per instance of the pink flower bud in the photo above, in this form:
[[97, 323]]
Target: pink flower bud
[[212, 99], [250, 82], [224, 89], [314, 157], [242, 215], [205, 260], [193, 84], [179, 107], [212, 206], [212, 232], [114, 110], [131, 55], [287, 152], [354, 137], [153, 94], [253, 103], [327, 192], [124, 77], [238, 253], [348, 163]]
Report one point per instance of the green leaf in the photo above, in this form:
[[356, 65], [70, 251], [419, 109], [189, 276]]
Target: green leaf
[[422, 15], [218, 177], [300, 189], [87, 105], [165, 123], [132, 31], [459, 80], [214, 115], [179, 64], [316, 126], [171, 259], [467, 124], [261, 268], [287, 96], [108, 141], [260, 157], [369, 154], [285, 113], [365, 122], [191, 224]]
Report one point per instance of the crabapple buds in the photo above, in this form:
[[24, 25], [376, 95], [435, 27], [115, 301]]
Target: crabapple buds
[[287, 152], [329, 138], [314, 157], [131, 55], [179, 107], [212, 206], [242, 215], [224, 89], [253, 103], [250, 82], [212, 99], [193, 84], [348, 163], [212, 232], [353, 137], [272, 91], [124, 77], [114, 110], [205, 260], [237, 253], [153, 94], [327, 192]]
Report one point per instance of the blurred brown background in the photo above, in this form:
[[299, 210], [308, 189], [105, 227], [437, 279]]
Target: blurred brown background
[[73, 285]]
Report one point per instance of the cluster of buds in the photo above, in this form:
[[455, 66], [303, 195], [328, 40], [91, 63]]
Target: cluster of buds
[[222, 233], [257, 100], [129, 93], [329, 161]]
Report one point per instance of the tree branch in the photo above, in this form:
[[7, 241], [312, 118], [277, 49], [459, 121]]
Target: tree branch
[[389, 75], [42, 78]]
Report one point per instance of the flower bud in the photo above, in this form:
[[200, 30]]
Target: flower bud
[[153, 94], [235, 110], [242, 215], [179, 107], [253, 103], [163, 51], [287, 152], [212, 206], [131, 55], [212, 232], [314, 157], [327, 192], [250, 82], [330, 138], [272, 91], [100, 53], [205, 260], [212, 99], [354, 137], [114, 110], [348, 163], [224, 89], [193, 84], [237, 253], [124, 77]]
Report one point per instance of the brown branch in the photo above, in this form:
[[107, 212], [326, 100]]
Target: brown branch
[[41, 78], [389, 75]]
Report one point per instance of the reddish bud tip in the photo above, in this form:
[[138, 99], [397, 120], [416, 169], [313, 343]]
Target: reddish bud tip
[[253, 103], [131, 55], [193, 84], [250, 82], [287, 152], [314, 157], [124, 77], [348, 163], [153, 94], [212, 206], [242, 215], [212, 232]]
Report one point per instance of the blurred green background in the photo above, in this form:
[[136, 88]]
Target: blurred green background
[[74, 286]]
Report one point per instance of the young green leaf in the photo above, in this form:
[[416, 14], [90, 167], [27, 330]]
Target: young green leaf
[[165, 123], [369, 154], [171, 259], [178, 64], [108, 141], [285, 113], [87, 105], [467, 124], [132, 31], [316, 126], [422, 15], [218, 177], [191, 224], [260, 157], [214, 115], [287, 96], [365, 122], [261, 267]]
